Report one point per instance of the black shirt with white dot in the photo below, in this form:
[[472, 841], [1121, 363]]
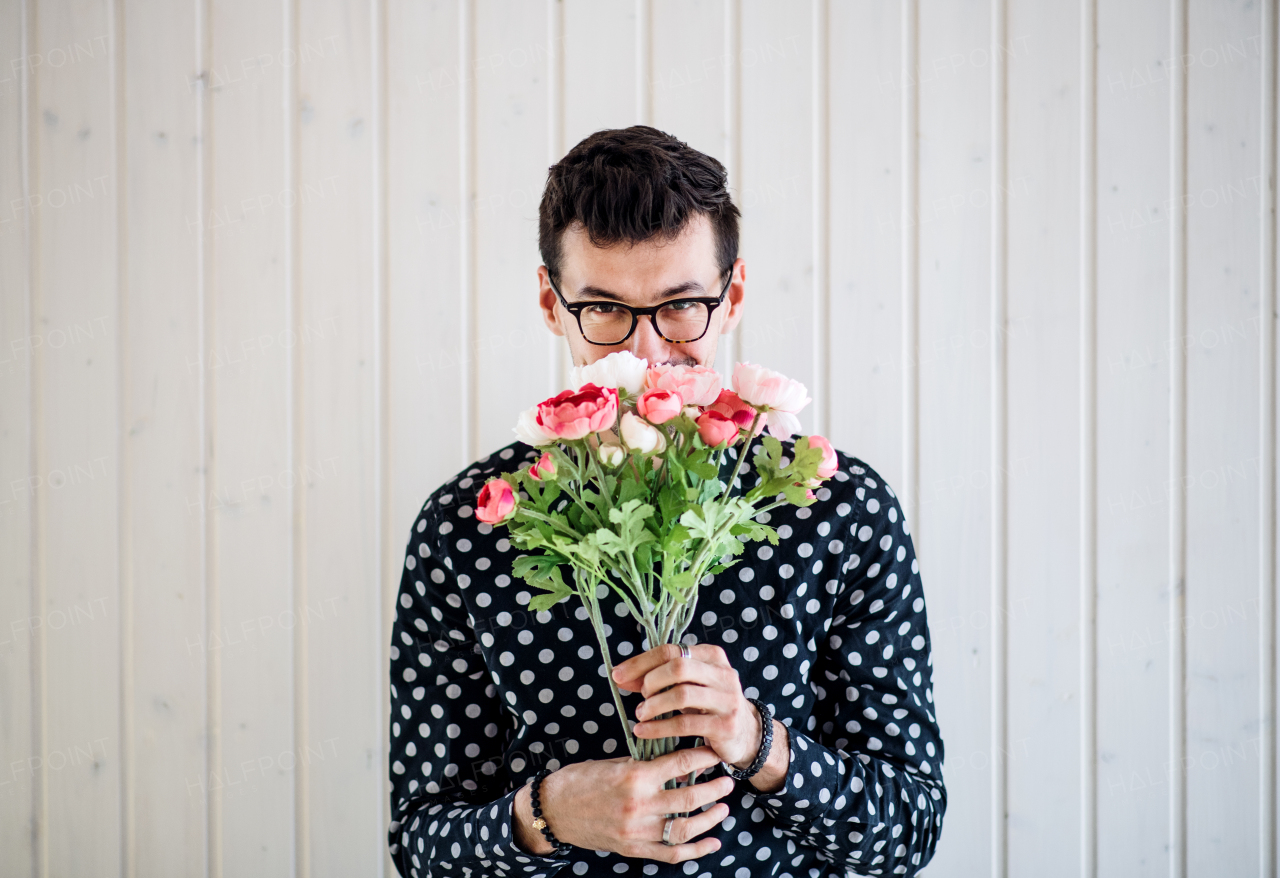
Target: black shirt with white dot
[[828, 628]]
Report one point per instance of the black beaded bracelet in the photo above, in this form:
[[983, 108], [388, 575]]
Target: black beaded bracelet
[[539, 823], [766, 743]]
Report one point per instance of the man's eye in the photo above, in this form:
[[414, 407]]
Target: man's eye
[[602, 309], [681, 306]]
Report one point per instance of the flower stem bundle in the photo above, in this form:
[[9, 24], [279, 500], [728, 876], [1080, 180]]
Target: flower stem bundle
[[627, 500]]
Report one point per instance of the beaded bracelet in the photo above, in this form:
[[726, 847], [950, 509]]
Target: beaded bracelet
[[766, 743], [539, 823]]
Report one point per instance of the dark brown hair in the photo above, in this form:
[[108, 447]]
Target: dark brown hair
[[630, 185]]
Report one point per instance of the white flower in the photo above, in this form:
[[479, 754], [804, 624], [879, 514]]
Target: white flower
[[529, 431], [611, 455], [621, 369], [640, 435]]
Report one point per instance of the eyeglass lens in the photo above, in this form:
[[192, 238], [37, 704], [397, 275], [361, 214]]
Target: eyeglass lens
[[609, 324]]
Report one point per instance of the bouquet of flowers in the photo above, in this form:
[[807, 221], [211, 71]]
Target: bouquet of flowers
[[627, 496]]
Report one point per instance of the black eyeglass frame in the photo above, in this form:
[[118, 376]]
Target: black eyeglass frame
[[712, 303]]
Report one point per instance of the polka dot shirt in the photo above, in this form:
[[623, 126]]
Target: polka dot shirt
[[828, 628]]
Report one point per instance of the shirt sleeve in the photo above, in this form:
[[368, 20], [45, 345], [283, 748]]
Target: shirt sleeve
[[451, 797], [865, 784]]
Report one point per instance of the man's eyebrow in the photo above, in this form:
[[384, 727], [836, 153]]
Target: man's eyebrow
[[689, 286]]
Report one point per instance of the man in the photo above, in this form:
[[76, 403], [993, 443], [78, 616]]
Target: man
[[828, 628]]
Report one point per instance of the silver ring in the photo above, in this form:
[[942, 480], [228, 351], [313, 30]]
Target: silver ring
[[684, 651], [666, 831]]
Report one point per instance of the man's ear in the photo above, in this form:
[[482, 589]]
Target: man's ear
[[734, 297], [548, 302]]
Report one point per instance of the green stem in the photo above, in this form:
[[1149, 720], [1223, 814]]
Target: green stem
[[577, 498], [593, 608], [741, 455], [529, 513]]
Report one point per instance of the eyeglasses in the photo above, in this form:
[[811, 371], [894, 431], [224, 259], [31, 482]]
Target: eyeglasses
[[679, 321]]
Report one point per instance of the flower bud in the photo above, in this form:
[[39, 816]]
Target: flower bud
[[543, 468], [496, 502], [640, 436]]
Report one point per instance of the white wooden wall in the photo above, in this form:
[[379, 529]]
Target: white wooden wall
[[267, 278]]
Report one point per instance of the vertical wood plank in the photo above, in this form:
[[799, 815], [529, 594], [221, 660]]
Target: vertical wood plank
[[1133, 375], [955, 518], [428, 355], [776, 199], [1267, 440], [1088, 406], [78, 417], [163, 418], [512, 101], [867, 229], [1040, 472], [687, 75], [19, 667], [602, 74], [341, 732], [1222, 202], [248, 496]]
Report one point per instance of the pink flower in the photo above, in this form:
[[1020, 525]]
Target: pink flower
[[732, 407], [715, 429], [573, 414], [830, 463], [774, 393], [496, 502], [659, 406], [543, 468], [697, 385], [764, 388]]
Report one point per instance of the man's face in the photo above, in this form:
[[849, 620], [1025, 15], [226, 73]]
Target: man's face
[[647, 274]]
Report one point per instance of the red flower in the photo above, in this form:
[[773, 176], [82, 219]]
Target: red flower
[[731, 406], [575, 413]]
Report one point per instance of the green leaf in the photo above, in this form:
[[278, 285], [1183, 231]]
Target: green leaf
[[632, 490], [796, 495], [675, 538], [703, 469], [541, 602], [755, 531], [679, 584]]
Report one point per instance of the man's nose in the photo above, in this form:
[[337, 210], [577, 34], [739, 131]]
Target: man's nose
[[646, 343]]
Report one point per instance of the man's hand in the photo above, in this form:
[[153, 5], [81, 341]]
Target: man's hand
[[619, 805], [706, 691]]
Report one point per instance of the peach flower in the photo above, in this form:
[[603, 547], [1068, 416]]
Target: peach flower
[[773, 392], [697, 385], [830, 463], [659, 406]]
